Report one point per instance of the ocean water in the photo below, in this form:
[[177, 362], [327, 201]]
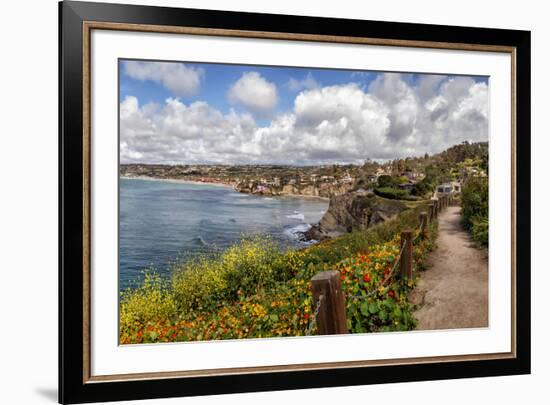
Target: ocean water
[[164, 221]]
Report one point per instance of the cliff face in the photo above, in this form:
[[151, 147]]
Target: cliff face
[[353, 211], [323, 190]]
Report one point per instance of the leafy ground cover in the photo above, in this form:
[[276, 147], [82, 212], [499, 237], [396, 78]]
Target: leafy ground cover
[[254, 290], [475, 208]]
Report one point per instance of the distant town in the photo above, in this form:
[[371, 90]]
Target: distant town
[[414, 177]]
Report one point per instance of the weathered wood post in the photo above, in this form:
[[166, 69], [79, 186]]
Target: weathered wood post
[[431, 210], [331, 319], [407, 255], [424, 224]]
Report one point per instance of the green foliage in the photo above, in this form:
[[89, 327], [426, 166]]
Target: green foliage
[[254, 290], [475, 208], [245, 267], [437, 173], [392, 193], [468, 151], [361, 182], [423, 187], [329, 252], [152, 300], [378, 300], [395, 194], [480, 229], [390, 181]]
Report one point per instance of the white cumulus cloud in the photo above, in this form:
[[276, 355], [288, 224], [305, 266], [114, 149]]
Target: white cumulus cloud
[[255, 93], [307, 82], [180, 79], [335, 124]]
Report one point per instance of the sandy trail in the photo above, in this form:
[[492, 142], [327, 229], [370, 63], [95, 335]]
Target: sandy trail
[[453, 291]]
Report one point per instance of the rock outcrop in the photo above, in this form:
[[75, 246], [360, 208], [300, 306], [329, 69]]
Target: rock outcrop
[[310, 190], [353, 211]]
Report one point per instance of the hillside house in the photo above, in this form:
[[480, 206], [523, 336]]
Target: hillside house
[[372, 178], [445, 188], [347, 179]]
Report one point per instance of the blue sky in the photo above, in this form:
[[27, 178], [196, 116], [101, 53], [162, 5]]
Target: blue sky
[[220, 77], [322, 107]]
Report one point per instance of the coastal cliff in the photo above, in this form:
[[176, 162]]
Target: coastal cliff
[[353, 211], [310, 190]]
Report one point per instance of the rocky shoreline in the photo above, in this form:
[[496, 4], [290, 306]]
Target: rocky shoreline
[[347, 211], [325, 191], [353, 211]]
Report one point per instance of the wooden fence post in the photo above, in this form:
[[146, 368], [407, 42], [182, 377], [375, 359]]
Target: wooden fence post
[[424, 224], [431, 209], [407, 255], [331, 319]]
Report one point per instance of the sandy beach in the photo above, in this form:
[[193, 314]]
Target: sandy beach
[[178, 181]]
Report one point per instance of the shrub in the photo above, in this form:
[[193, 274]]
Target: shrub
[[198, 284], [392, 193], [254, 290], [248, 266], [377, 298], [422, 187], [390, 181], [480, 229], [244, 267], [475, 208], [149, 302], [395, 194]]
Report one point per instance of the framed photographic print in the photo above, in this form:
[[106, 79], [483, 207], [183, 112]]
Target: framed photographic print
[[255, 202]]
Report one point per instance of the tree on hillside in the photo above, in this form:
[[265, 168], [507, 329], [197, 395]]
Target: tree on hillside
[[423, 187], [389, 181]]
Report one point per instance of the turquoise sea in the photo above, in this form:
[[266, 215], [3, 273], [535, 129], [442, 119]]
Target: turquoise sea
[[165, 221]]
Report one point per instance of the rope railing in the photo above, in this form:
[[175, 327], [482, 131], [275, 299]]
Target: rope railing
[[383, 283], [334, 311], [314, 317]]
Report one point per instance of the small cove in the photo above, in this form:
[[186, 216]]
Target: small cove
[[164, 221]]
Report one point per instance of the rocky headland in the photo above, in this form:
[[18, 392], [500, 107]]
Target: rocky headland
[[353, 211]]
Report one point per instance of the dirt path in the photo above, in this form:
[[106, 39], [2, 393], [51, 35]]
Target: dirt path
[[453, 291]]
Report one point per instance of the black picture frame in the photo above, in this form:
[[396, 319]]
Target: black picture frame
[[73, 387]]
